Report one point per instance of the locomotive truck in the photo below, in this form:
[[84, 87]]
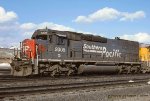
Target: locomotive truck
[[56, 52]]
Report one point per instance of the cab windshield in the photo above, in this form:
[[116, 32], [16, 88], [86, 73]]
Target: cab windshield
[[41, 37]]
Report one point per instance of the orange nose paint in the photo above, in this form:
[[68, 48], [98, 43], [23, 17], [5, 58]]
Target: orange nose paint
[[29, 48]]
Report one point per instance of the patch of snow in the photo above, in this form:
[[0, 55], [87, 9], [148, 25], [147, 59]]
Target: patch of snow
[[5, 66], [148, 82], [14, 47], [131, 81]]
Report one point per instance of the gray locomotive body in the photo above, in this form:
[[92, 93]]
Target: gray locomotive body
[[70, 51], [64, 52]]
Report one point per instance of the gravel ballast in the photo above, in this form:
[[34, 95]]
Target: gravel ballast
[[137, 92]]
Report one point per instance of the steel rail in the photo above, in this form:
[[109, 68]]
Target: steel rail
[[21, 79], [9, 91]]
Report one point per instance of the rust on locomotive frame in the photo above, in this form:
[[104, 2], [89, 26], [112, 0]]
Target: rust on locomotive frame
[[56, 52]]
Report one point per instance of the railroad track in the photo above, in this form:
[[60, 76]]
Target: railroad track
[[10, 91], [9, 78]]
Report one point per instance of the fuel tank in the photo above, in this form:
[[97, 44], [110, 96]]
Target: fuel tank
[[97, 69]]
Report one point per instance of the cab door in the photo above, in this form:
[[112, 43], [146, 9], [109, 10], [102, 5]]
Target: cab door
[[60, 47]]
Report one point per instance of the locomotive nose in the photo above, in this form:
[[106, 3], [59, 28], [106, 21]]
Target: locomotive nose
[[28, 48]]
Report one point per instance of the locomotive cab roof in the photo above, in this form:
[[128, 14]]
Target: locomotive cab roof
[[69, 35]]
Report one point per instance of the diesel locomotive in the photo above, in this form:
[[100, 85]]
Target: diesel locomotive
[[54, 52]]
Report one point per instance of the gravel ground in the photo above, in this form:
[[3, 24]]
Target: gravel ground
[[137, 92]]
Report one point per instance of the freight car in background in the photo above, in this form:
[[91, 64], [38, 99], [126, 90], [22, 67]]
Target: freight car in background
[[144, 54], [56, 52]]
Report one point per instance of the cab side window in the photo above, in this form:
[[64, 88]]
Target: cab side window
[[60, 40]]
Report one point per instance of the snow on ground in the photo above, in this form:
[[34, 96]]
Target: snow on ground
[[5, 66], [148, 82], [131, 81]]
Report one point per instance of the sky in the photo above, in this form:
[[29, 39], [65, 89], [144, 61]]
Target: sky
[[127, 19]]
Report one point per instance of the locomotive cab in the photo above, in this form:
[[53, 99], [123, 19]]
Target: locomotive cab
[[52, 50], [51, 45], [26, 63]]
